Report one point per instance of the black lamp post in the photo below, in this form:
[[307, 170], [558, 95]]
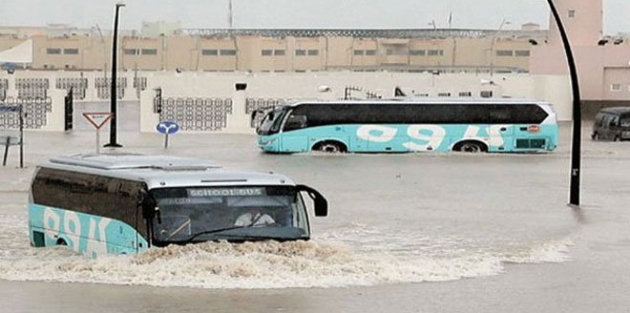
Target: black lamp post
[[113, 86], [574, 193]]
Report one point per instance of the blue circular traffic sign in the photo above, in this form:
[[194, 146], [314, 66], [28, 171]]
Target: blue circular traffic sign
[[167, 127]]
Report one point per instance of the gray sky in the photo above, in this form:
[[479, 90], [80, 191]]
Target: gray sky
[[485, 14]]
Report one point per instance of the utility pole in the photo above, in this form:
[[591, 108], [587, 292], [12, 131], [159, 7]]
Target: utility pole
[[113, 84]]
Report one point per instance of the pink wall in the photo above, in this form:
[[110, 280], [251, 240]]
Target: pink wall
[[598, 66], [584, 27]]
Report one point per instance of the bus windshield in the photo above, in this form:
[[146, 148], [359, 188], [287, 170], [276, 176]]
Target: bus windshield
[[271, 123], [193, 214]]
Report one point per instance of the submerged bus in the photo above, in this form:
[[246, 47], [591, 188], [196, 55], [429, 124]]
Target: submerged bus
[[126, 203], [410, 125]]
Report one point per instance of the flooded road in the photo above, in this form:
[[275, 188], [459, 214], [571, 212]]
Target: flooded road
[[406, 232]]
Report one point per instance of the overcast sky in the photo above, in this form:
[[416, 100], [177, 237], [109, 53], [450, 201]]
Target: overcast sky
[[483, 14]]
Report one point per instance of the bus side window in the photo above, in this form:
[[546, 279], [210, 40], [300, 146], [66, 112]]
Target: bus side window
[[295, 122]]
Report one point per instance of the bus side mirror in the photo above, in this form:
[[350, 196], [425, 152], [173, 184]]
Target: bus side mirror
[[321, 204], [255, 113]]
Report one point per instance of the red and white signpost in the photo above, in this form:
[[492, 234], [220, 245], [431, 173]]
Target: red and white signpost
[[97, 119]]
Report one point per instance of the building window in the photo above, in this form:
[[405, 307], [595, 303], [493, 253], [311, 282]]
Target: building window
[[228, 52], [435, 52], [417, 52], [313, 52], [71, 51], [53, 51], [300, 52], [266, 52], [615, 87], [521, 53], [149, 51], [209, 52], [571, 13], [444, 94], [130, 51], [465, 94], [504, 53], [359, 52], [278, 52], [370, 52], [486, 94]]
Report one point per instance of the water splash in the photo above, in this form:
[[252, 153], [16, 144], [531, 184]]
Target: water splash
[[267, 264]]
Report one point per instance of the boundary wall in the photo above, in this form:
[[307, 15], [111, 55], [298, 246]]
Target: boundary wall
[[208, 102]]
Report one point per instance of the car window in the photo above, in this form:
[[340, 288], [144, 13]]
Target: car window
[[605, 120], [614, 121]]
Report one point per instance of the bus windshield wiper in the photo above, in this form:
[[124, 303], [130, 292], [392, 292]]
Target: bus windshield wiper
[[214, 231]]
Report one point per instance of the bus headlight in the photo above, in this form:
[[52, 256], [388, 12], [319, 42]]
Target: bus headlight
[[264, 143]]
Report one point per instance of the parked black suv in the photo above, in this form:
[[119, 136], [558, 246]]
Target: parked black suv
[[612, 124]]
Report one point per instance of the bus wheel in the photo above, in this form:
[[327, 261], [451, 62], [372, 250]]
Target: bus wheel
[[616, 138], [470, 146], [595, 136], [61, 242], [330, 147]]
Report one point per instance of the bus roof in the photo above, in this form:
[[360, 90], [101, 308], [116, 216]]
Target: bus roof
[[161, 171], [426, 100]]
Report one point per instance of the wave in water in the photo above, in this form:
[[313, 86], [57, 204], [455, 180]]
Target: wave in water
[[263, 265]]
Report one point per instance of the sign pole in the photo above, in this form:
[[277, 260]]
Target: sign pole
[[6, 151], [98, 141], [21, 136], [166, 141]]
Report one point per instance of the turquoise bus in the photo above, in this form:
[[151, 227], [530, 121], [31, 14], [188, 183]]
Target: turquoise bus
[[126, 203], [410, 125]]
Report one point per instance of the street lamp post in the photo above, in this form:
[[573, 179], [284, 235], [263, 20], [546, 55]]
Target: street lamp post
[[494, 38], [433, 24], [113, 85], [576, 142]]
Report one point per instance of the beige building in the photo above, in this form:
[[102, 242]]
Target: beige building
[[169, 49]]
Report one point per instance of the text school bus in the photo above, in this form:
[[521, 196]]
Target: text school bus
[[119, 204], [410, 125]]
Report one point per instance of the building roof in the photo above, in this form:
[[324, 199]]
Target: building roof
[[367, 33]]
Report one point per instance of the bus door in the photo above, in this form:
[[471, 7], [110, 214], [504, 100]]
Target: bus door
[[294, 135]]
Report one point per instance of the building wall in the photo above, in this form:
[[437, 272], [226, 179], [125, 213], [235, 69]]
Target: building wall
[[599, 66], [256, 53], [583, 20]]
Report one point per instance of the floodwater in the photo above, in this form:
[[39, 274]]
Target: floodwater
[[406, 233]]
